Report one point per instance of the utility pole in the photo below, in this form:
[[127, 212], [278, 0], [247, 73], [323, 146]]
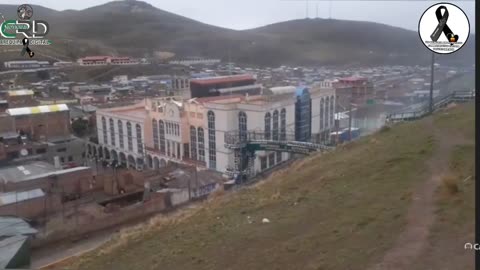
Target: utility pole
[[306, 9], [196, 177], [431, 81], [189, 189], [350, 117]]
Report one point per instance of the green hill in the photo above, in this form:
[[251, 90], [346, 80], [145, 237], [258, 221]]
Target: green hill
[[136, 28], [403, 195]]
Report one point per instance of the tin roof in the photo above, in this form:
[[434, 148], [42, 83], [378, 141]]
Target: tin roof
[[37, 109], [223, 79], [14, 197], [20, 93]]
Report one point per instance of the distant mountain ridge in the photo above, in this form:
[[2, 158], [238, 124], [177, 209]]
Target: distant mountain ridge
[[137, 28]]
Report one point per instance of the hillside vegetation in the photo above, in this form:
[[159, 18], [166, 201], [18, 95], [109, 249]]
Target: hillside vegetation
[[348, 209], [137, 29]]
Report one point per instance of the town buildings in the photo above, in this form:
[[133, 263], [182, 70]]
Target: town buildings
[[195, 61], [106, 60]]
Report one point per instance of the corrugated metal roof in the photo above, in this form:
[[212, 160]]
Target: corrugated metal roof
[[283, 90], [20, 93], [224, 79], [13, 197], [37, 109], [10, 226]]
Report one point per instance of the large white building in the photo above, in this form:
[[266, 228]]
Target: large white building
[[157, 131], [121, 134]]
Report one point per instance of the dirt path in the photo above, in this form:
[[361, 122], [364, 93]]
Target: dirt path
[[420, 215]]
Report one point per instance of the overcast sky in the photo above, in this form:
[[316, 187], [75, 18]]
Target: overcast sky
[[244, 14]]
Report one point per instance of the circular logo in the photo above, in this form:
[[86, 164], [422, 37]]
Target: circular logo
[[25, 12], [444, 28]]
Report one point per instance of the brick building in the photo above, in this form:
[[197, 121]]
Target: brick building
[[356, 89]]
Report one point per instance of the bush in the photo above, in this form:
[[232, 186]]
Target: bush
[[450, 185]]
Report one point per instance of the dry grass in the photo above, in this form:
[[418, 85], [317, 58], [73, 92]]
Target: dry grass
[[349, 204], [450, 185]]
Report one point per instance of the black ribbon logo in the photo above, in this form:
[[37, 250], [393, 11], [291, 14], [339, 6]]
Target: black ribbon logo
[[442, 26], [26, 49]]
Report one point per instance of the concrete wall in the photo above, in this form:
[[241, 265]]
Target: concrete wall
[[33, 208], [87, 224], [77, 181], [44, 125]]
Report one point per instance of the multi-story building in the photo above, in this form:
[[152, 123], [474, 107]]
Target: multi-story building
[[121, 133], [26, 64], [172, 129], [354, 89], [41, 132]]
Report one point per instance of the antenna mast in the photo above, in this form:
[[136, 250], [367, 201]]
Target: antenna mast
[[306, 9]]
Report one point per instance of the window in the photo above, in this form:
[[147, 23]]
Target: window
[[162, 136], [322, 106], [242, 126], [155, 134], [327, 112], [62, 150], [120, 133], [112, 131], [201, 144], [275, 126], [139, 139], [186, 150], [268, 126], [70, 158], [129, 136], [279, 157], [62, 159], [168, 148], [41, 151], [332, 110], [104, 130], [212, 154], [271, 159], [303, 116], [263, 163], [193, 142], [178, 151], [192, 114], [283, 125]]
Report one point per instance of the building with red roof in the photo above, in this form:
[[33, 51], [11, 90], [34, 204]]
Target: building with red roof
[[212, 86], [106, 60]]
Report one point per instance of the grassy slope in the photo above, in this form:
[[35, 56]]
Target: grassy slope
[[455, 211], [337, 211]]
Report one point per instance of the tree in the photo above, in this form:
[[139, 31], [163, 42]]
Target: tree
[[80, 127]]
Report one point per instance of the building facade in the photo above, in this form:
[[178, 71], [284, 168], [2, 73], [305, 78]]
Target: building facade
[[121, 135], [193, 131]]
